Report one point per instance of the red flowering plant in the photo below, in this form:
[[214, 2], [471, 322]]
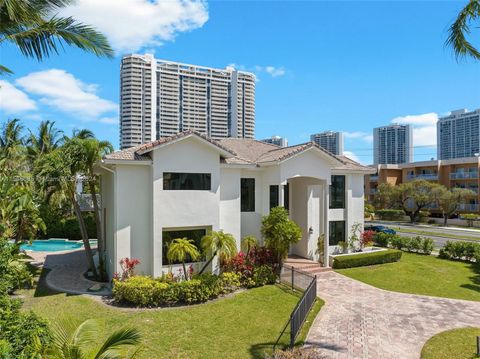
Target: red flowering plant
[[366, 238], [128, 267]]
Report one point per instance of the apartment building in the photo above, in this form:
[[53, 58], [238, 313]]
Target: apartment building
[[276, 140], [160, 98], [458, 135], [462, 173], [332, 141], [392, 144]]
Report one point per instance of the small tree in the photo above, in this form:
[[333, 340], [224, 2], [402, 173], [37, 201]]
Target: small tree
[[218, 243], [355, 232], [280, 232], [249, 242], [321, 249], [180, 249], [450, 200]]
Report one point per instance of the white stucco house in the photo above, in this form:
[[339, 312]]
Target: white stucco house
[[187, 184]]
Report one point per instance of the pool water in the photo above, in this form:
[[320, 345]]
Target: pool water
[[51, 245]]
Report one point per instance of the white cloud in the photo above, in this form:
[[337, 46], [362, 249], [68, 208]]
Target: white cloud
[[359, 135], [109, 120], [275, 71], [61, 90], [13, 100], [258, 70], [351, 155], [134, 24], [424, 128]]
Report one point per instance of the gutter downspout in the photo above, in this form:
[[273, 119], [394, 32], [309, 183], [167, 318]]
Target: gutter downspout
[[114, 173]]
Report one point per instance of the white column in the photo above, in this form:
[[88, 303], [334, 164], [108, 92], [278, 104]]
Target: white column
[[326, 227]]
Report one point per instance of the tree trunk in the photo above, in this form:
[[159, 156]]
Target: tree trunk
[[98, 224], [84, 234], [207, 263], [184, 271], [445, 219]]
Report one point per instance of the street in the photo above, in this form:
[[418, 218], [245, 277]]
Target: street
[[443, 234]]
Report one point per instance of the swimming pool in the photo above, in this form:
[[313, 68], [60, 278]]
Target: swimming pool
[[51, 245]]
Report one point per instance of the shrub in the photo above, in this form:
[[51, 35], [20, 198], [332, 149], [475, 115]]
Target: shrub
[[397, 242], [61, 226], [423, 216], [263, 275], [366, 259], [22, 334], [366, 238], [427, 246], [231, 281], [382, 239], [390, 214], [460, 250], [417, 244]]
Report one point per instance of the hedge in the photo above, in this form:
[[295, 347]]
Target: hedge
[[461, 250], [390, 214], [58, 227], [418, 244], [367, 259]]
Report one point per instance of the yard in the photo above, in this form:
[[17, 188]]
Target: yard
[[452, 344], [421, 274], [242, 326]]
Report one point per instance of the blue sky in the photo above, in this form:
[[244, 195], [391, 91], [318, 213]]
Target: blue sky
[[347, 66]]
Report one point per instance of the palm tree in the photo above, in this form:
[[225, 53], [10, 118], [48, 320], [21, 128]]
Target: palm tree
[[37, 30], [249, 242], [83, 133], [218, 243], [180, 249], [45, 141], [95, 150], [460, 28], [60, 169], [76, 343], [12, 151]]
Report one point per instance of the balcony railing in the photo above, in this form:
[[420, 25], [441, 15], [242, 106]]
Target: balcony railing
[[468, 207], [373, 178], [424, 176], [464, 175]]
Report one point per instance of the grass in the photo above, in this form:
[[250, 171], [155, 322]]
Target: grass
[[452, 344], [434, 234], [421, 274], [245, 325]]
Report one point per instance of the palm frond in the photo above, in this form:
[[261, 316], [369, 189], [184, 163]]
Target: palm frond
[[5, 71], [117, 342], [458, 31]]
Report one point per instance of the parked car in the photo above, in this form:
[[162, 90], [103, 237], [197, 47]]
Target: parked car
[[380, 229]]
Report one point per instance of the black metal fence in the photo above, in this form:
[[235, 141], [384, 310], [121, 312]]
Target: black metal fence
[[298, 280]]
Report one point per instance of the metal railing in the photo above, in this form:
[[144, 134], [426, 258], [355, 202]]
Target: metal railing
[[307, 283], [464, 175], [373, 178], [425, 176]]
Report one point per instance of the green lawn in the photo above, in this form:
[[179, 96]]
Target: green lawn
[[420, 274], [452, 344], [242, 326]]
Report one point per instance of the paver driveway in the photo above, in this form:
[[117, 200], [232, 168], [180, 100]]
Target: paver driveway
[[361, 321]]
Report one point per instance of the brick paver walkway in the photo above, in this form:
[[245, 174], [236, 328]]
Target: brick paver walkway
[[361, 321]]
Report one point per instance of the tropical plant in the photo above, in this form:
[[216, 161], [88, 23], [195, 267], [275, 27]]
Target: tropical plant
[[182, 249], [249, 242], [76, 343], [47, 138], [321, 249], [218, 243], [460, 29], [94, 151], [280, 232], [366, 238], [449, 200], [60, 169], [355, 233], [12, 151], [37, 30]]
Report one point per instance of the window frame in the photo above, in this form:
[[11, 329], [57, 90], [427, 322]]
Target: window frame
[[330, 232], [247, 200], [169, 183], [337, 198]]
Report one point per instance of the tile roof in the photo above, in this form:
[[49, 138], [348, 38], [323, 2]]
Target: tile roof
[[243, 151]]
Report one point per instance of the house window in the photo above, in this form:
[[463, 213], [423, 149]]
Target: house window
[[193, 234], [286, 197], [273, 196], [337, 192], [336, 232], [187, 181], [247, 194]]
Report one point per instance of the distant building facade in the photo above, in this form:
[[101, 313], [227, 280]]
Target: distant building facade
[[392, 144], [276, 140], [458, 135], [332, 141], [161, 98]]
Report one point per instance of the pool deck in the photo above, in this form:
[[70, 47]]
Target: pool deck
[[66, 272]]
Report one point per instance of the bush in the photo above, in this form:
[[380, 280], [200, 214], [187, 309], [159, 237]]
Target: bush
[[417, 244], [263, 275], [390, 214], [143, 291], [61, 226], [22, 334], [13, 272], [367, 259], [423, 216], [461, 250]]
